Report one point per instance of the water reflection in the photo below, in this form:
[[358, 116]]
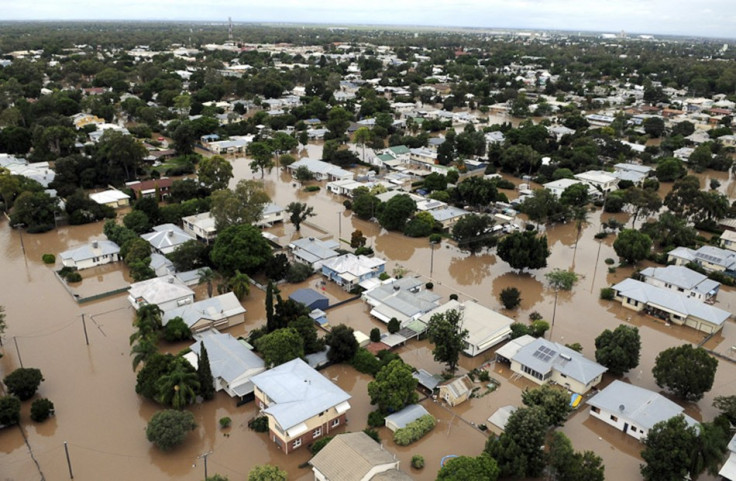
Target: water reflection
[[471, 269], [531, 289]]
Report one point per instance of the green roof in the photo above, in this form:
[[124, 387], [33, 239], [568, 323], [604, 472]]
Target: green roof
[[386, 157], [399, 149]]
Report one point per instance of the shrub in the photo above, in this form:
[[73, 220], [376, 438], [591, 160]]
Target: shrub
[[601, 235], [65, 271], [9, 410], [375, 335], [612, 270], [298, 272], [167, 429], [414, 430], [518, 329], [311, 188], [259, 424], [535, 316], [48, 258], [23, 382], [365, 362], [319, 444], [610, 261], [383, 276], [538, 328], [607, 293], [417, 461], [453, 297], [394, 325], [225, 422], [373, 433], [510, 297], [74, 277], [429, 285], [41, 409], [484, 376], [348, 205], [376, 419]]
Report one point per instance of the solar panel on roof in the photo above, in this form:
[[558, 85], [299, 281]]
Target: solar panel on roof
[[544, 353]]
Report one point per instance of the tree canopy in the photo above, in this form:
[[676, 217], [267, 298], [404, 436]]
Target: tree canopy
[[446, 333], [619, 349], [243, 205], [685, 371], [240, 248], [167, 429], [394, 387], [524, 250]]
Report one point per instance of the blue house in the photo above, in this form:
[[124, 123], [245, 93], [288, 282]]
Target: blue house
[[310, 298]]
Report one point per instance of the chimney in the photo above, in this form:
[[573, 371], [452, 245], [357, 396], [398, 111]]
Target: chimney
[[95, 244], [171, 233], [171, 279]]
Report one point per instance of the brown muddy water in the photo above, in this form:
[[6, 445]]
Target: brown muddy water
[[103, 421]]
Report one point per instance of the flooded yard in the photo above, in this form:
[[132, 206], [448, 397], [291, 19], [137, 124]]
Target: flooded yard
[[103, 421]]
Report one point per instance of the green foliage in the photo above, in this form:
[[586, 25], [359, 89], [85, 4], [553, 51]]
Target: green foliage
[[215, 172], [415, 430], [394, 325], [632, 246], [48, 258], [189, 256], [555, 402], [538, 328], [342, 344], [41, 409], [259, 424], [155, 366], [668, 450], [417, 461], [298, 272], [465, 468], [167, 429], [240, 247], [319, 444], [445, 331], [298, 213], [308, 331], [204, 375], [518, 451], [23, 382], [267, 472], [376, 419], [225, 422], [176, 330], [74, 277], [685, 371], [524, 250], [394, 387], [9, 410], [619, 349], [375, 335], [242, 205], [472, 232], [568, 465], [373, 433], [607, 293], [561, 280], [510, 297], [179, 386], [280, 346], [364, 361], [312, 188], [396, 212]]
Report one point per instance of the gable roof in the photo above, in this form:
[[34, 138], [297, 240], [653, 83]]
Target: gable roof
[[313, 250], [352, 264], [298, 393], [459, 386], [681, 276], [403, 296], [307, 296], [212, 309], [166, 236], [160, 289], [482, 323], [91, 250], [350, 457], [642, 407], [543, 356], [229, 358], [407, 415]]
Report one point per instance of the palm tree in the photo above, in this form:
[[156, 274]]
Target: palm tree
[[143, 350], [580, 216], [179, 387], [147, 321], [709, 450], [207, 276], [362, 136], [240, 285]]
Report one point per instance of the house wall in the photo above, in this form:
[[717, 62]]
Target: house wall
[[672, 287], [518, 369], [93, 262], [572, 384], [447, 396], [618, 422], [629, 303]]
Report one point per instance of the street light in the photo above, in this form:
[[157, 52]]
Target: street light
[[431, 257]]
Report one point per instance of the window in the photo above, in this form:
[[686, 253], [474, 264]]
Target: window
[[335, 422], [297, 443], [633, 429], [595, 409], [317, 433], [614, 418]]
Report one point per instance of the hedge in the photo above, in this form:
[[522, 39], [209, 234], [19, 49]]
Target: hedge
[[415, 430]]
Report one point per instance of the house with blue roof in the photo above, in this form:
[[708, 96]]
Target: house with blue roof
[[301, 404], [310, 298]]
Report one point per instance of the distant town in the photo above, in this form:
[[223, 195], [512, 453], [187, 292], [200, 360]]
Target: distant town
[[267, 252]]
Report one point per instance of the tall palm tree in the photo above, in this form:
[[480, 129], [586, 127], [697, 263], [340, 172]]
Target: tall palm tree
[[240, 285], [143, 350], [179, 387], [709, 450], [147, 322], [207, 276], [580, 216]]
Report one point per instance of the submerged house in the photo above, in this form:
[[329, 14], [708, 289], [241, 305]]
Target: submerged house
[[166, 238], [710, 258], [219, 312], [683, 280], [403, 299], [166, 292], [96, 253], [349, 270]]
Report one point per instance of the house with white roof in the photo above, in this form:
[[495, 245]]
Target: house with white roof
[[542, 361], [232, 364], [96, 253], [271, 214], [632, 409], [200, 226], [400, 419], [233, 145], [166, 292], [557, 187], [683, 280], [670, 306], [599, 180], [710, 258], [635, 173], [312, 251], [402, 298], [321, 170], [728, 240], [111, 197], [349, 270], [166, 238], [301, 404], [486, 327], [219, 312], [38, 171]]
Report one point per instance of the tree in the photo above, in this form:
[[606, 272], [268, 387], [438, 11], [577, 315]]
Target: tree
[[710, 449], [280, 346], [362, 136], [9, 410], [575, 196], [654, 126], [420, 225], [34, 209], [643, 202], [179, 387], [669, 169], [510, 297], [167, 429], [555, 402], [472, 232], [342, 343], [189, 256], [240, 248], [137, 221], [142, 350], [215, 172], [632, 246], [41, 409], [239, 284], [155, 366], [446, 333], [394, 387], [267, 472], [727, 406], [685, 371], [177, 330], [299, 212], [121, 153], [618, 350], [518, 451], [357, 239], [306, 328], [568, 465], [262, 154], [23, 382], [463, 468], [338, 121], [524, 250], [204, 375], [668, 450], [243, 205], [396, 212], [207, 276]]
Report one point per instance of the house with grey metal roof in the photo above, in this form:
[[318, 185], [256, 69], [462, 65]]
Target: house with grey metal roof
[[456, 391], [160, 265], [312, 251], [96, 253], [405, 416], [635, 173], [356, 457], [166, 292], [632, 409], [320, 169], [271, 214], [301, 404], [231, 362], [349, 270], [542, 361], [166, 238], [710, 258], [200, 226], [670, 306], [402, 298], [219, 312], [557, 187], [683, 280]]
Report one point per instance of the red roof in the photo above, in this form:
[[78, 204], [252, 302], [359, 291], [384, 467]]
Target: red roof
[[163, 183]]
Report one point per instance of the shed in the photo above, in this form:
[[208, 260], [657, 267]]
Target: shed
[[407, 415], [310, 298], [456, 391], [501, 416]]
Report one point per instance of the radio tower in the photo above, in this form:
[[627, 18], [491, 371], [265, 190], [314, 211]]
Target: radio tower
[[230, 30]]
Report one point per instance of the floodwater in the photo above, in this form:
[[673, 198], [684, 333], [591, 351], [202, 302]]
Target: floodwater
[[103, 420]]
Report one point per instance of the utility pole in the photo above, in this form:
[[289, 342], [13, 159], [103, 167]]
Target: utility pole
[[15, 341], [84, 325], [204, 456], [68, 461]]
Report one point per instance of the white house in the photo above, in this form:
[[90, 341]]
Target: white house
[[200, 226], [557, 187], [349, 270], [632, 409], [96, 253], [312, 251], [166, 292], [710, 258], [111, 197], [166, 238], [402, 298], [728, 240], [219, 312], [321, 170], [271, 214], [599, 180], [683, 280]]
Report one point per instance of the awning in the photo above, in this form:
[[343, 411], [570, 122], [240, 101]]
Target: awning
[[342, 407], [300, 428]]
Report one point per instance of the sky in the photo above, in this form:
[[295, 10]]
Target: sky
[[707, 18]]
